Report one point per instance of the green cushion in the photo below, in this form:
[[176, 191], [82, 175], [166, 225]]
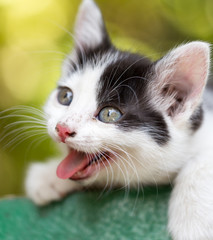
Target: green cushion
[[88, 215]]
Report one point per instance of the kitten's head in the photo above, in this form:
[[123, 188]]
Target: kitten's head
[[110, 105]]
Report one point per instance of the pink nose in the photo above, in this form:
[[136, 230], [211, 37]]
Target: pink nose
[[64, 132]]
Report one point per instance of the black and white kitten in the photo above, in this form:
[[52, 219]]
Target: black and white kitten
[[128, 121]]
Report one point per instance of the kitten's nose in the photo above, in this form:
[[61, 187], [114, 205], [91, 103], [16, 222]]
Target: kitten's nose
[[64, 132]]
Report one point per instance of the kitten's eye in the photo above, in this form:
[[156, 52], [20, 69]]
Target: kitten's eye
[[65, 96], [109, 115]]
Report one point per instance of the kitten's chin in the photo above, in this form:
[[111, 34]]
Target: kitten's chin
[[79, 165]]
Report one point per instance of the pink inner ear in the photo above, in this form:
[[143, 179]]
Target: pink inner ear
[[194, 65], [188, 67], [192, 69], [182, 74]]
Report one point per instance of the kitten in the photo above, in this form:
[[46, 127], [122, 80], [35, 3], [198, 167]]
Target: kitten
[[128, 121]]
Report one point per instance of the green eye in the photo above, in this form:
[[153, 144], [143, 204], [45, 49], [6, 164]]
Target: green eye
[[109, 115], [65, 96]]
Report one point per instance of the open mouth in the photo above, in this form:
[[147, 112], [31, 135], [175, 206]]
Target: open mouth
[[79, 165]]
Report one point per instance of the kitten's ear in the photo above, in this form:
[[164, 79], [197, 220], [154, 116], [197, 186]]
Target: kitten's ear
[[180, 78], [90, 31]]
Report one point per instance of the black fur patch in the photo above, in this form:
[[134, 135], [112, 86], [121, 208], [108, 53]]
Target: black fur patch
[[125, 85], [92, 54], [196, 119]]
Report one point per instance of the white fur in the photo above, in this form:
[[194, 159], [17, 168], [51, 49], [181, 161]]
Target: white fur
[[191, 203], [89, 24], [42, 185], [187, 156]]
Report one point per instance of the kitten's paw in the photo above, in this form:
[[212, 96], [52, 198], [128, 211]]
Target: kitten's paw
[[43, 186], [192, 227], [191, 203]]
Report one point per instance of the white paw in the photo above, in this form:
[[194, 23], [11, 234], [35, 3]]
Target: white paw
[[190, 227], [191, 203], [43, 186]]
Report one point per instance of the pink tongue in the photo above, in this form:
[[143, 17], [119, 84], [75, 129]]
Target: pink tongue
[[74, 162]]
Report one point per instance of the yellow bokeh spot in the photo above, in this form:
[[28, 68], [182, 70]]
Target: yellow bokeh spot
[[23, 8], [19, 73], [35, 22]]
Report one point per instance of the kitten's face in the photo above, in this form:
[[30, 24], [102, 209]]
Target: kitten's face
[[109, 102], [100, 105]]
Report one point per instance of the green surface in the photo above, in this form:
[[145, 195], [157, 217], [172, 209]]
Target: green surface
[[86, 215]]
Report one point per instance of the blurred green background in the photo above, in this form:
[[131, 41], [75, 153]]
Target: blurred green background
[[33, 43]]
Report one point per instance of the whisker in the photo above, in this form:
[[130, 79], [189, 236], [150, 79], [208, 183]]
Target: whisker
[[39, 124], [134, 170], [29, 109], [19, 115], [36, 133], [109, 150], [20, 129], [39, 140], [82, 51], [126, 178], [112, 173], [140, 59]]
